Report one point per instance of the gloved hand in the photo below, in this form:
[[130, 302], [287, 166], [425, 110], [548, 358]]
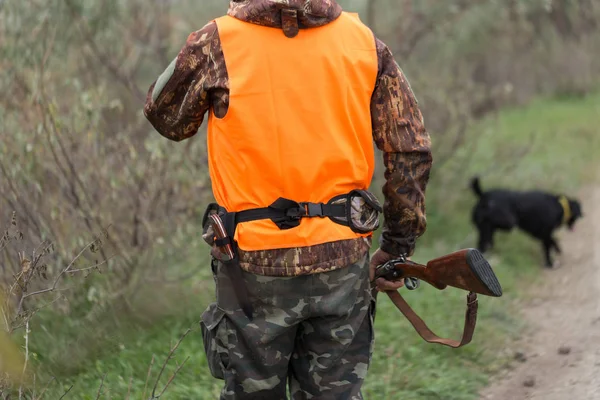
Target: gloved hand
[[378, 258]]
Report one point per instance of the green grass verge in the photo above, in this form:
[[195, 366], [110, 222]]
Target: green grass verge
[[550, 144]]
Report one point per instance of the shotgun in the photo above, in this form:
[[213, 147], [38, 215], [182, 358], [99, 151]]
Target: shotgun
[[465, 269]]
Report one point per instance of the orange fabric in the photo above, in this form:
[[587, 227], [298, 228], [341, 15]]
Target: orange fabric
[[298, 124]]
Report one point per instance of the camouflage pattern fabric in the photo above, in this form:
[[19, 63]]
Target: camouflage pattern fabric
[[197, 82], [310, 14], [311, 336]]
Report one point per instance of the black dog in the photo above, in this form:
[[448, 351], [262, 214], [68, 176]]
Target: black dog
[[535, 212]]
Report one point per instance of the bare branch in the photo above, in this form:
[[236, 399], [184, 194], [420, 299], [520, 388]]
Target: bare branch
[[101, 386], [173, 376], [46, 388], [166, 362], [95, 266], [68, 390], [26, 358], [57, 279], [148, 376]]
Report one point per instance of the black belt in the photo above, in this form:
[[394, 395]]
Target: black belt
[[286, 214]]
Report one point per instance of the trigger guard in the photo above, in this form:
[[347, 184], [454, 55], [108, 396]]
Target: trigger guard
[[411, 283]]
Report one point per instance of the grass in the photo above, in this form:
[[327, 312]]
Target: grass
[[549, 144]]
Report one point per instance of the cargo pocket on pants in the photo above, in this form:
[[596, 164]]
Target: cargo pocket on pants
[[212, 325]]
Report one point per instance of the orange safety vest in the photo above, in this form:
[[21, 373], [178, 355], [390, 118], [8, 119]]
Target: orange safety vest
[[298, 125]]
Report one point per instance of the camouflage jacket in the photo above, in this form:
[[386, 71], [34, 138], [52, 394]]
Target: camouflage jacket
[[197, 81]]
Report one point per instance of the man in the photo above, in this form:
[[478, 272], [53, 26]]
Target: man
[[296, 92]]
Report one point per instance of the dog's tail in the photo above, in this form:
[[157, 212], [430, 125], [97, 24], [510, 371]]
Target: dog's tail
[[476, 187]]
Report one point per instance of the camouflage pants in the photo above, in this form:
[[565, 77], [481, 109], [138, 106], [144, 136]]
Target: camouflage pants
[[311, 333]]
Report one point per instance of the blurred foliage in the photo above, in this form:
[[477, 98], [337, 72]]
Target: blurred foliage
[[468, 58], [78, 157]]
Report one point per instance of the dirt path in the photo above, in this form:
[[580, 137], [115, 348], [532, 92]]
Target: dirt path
[[565, 315]]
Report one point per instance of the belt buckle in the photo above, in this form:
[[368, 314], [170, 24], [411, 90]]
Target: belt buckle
[[314, 210]]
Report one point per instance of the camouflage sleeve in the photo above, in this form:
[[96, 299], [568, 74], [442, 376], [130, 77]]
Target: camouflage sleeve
[[177, 102], [399, 132]]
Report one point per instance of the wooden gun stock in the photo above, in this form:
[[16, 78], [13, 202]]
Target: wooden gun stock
[[464, 269]]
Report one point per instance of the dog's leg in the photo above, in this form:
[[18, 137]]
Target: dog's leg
[[485, 238], [555, 245], [557, 248], [547, 246]]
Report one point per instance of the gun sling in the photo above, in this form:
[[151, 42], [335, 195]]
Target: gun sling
[[426, 333]]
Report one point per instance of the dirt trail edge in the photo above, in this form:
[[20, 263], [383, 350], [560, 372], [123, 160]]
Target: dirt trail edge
[[560, 359]]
